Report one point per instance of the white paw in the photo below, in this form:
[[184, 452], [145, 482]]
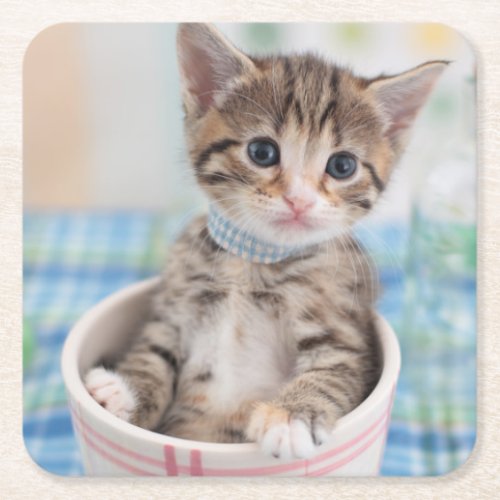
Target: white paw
[[111, 391], [283, 436]]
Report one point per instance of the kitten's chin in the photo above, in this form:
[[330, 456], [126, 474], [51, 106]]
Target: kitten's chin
[[297, 233]]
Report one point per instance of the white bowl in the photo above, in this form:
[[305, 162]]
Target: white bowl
[[113, 447]]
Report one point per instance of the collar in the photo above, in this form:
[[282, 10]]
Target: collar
[[243, 244]]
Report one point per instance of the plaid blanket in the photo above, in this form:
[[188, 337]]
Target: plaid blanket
[[72, 260]]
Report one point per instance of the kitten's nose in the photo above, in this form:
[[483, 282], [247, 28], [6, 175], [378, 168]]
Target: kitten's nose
[[298, 204]]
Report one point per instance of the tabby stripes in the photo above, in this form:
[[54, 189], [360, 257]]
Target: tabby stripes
[[376, 179], [216, 147]]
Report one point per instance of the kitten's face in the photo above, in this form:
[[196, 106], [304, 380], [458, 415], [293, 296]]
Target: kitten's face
[[294, 150]]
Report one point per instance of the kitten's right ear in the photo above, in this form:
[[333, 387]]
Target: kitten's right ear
[[207, 64]]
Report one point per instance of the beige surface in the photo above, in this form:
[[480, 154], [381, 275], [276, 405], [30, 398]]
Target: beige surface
[[54, 128], [478, 21]]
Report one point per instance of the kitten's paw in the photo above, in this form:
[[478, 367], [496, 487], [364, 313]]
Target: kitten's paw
[[283, 435], [111, 391]]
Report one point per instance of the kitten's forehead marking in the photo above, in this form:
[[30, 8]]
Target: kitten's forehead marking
[[304, 156], [293, 144]]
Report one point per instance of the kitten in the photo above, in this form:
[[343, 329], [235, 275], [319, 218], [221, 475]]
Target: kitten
[[263, 326]]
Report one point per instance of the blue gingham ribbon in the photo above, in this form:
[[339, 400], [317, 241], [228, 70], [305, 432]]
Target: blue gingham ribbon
[[243, 244]]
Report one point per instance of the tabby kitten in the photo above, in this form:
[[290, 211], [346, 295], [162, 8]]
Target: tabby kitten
[[263, 326]]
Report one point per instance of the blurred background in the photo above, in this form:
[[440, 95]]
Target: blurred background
[[107, 186]]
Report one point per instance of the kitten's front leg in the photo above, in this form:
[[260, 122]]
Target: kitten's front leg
[[142, 384], [328, 384]]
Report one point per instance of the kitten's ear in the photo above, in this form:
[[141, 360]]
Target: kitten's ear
[[401, 97], [207, 64]]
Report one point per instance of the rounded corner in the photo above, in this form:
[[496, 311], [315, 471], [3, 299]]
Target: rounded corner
[[37, 464], [449, 475], [41, 34], [458, 34]]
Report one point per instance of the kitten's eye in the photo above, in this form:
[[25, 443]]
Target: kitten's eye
[[341, 165], [264, 153]]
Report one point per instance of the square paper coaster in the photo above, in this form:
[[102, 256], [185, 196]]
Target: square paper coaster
[[107, 189]]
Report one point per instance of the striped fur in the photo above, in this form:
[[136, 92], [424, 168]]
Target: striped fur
[[237, 351]]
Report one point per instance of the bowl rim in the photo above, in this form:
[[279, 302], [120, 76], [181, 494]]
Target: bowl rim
[[76, 390]]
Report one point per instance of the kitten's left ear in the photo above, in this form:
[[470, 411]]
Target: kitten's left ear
[[402, 96], [207, 63]]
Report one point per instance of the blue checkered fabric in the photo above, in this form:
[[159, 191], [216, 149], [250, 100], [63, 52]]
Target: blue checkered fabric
[[73, 260], [243, 244]]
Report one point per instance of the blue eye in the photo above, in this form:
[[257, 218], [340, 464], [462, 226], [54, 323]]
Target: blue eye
[[263, 152], [341, 165]]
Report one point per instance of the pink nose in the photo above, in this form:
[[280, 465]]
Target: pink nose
[[298, 205]]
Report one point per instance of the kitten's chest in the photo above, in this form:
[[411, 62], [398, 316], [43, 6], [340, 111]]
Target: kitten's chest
[[240, 353]]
